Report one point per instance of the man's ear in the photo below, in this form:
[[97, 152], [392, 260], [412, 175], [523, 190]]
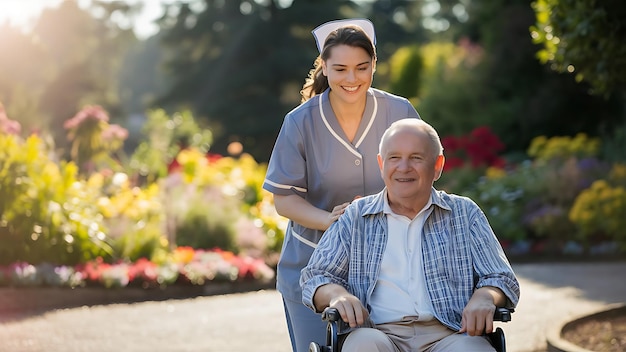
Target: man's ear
[[380, 162], [441, 160]]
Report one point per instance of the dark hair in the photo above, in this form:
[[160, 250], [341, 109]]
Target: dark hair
[[350, 35]]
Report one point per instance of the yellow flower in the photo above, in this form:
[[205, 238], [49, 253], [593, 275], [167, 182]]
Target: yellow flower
[[494, 173]]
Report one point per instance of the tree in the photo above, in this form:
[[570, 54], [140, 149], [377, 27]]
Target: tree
[[21, 80], [70, 59], [406, 69], [584, 37], [509, 90], [239, 65]]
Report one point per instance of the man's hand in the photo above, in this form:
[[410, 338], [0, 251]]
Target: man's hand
[[478, 314], [478, 317], [348, 305], [350, 309]]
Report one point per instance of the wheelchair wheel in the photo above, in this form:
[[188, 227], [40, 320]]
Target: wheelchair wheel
[[314, 347]]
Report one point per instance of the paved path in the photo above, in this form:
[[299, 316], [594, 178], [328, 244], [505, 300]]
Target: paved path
[[551, 294]]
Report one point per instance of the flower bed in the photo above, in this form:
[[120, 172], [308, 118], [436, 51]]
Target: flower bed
[[185, 267], [27, 288]]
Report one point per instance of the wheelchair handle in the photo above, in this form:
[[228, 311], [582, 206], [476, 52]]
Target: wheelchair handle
[[503, 314], [331, 314]]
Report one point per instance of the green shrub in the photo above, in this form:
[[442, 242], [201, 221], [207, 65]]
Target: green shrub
[[460, 180], [134, 217], [614, 145], [165, 137], [145, 242], [206, 227], [200, 217], [46, 213], [503, 198], [234, 183], [565, 167], [406, 71]]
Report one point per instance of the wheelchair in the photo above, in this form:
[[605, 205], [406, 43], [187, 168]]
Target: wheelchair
[[333, 342]]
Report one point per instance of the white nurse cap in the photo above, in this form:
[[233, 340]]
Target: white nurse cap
[[322, 31]]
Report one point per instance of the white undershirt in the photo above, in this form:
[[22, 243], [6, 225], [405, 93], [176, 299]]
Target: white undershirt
[[400, 293]]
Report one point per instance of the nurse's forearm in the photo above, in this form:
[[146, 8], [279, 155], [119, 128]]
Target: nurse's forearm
[[299, 210]]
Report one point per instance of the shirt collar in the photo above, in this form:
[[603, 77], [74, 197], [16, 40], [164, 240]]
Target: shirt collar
[[379, 203], [387, 209]]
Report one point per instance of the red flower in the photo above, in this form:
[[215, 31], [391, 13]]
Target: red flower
[[143, 270], [479, 148], [92, 271], [450, 144], [453, 163], [213, 157]]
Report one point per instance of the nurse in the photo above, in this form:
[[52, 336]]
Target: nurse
[[325, 156]]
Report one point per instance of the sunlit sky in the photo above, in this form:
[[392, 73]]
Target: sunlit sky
[[24, 13]]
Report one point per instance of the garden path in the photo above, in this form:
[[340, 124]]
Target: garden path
[[551, 295]]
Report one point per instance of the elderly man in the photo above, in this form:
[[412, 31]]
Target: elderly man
[[414, 268]]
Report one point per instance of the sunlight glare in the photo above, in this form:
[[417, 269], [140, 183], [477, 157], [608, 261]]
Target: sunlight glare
[[23, 14]]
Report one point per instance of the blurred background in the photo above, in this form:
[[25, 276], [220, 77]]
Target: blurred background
[[237, 66], [129, 129]]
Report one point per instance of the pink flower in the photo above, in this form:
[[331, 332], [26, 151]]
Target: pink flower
[[10, 127], [115, 132], [7, 125], [89, 112]]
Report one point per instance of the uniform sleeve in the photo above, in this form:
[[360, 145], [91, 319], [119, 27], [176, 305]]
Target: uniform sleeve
[[286, 171]]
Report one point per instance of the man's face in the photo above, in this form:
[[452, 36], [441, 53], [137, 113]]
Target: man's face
[[409, 166], [349, 71]]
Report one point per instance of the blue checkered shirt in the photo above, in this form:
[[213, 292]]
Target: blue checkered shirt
[[460, 254]]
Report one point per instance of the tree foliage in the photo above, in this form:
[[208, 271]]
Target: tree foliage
[[508, 89], [405, 75], [584, 37], [240, 64], [68, 60]]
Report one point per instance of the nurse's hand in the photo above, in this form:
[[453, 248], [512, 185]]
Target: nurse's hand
[[336, 213]]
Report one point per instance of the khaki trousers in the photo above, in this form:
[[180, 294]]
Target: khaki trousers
[[413, 336]]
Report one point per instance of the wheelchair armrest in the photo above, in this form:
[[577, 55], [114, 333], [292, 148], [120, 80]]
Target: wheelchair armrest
[[501, 314]]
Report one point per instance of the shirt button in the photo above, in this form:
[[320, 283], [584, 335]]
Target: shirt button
[[357, 162]]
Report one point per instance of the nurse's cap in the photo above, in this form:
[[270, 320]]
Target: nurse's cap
[[322, 31]]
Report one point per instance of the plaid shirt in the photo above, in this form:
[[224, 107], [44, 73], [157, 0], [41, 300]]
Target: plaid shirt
[[460, 253]]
